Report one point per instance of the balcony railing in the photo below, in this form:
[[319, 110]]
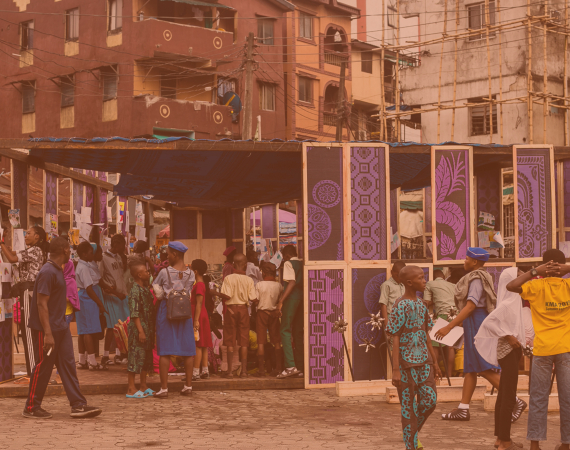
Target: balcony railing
[[335, 58], [329, 119]]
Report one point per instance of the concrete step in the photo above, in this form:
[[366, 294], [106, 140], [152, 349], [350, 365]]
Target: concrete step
[[445, 394], [490, 401]]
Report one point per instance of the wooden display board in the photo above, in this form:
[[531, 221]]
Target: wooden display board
[[534, 191], [453, 215]]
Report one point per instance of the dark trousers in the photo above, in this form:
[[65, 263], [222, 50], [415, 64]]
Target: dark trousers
[[25, 298], [63, 358], [506, 398]]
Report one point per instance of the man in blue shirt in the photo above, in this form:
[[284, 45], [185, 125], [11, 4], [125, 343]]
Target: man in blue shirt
[[52, 338]]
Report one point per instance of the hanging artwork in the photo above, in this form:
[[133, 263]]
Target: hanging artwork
[[366, 284], [368, 187], [324, 206], [324, 347], [452, 202], [534, 200]]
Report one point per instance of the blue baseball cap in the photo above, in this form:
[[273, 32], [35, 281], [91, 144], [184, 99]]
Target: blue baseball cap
[[478, 253], [178, 246]]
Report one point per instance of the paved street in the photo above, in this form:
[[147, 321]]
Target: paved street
[[293, 419]]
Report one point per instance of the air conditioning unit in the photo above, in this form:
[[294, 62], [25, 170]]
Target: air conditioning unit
[[362, 135]]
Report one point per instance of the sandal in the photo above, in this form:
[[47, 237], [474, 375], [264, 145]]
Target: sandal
[[137, 394], [461, 415], [98, 367], [82, 366], [148, 392], [290, 372], [161, 395]]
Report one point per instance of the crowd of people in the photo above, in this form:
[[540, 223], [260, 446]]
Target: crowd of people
[[176, 318], [529, 312]]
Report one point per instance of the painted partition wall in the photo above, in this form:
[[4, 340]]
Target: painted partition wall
[[452, 202], [534, 201], [323, 200], [369, 200]]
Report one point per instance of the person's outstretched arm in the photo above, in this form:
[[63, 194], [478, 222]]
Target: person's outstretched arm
[[549, 269]]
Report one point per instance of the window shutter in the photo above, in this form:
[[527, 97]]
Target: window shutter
[[28, 99], [109, 86], [67, 92]]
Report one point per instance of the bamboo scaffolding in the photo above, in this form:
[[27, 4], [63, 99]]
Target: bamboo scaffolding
[[565, 89], [398, 73], [500, 72], [545, 77], [440, 70], [487, 25], [529, 74], [455, 69]]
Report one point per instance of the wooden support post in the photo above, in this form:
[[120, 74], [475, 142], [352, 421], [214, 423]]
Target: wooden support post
[[440, 71], [487, 24], [500, 71], [340, 105], [529, 74], [248, 103]]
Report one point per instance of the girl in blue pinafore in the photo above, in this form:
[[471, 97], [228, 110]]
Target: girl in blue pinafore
[[174, 337]]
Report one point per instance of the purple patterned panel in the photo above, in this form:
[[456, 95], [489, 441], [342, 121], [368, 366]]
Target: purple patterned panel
[[534, 191], [50, 190], [325, 192], [6, 350], [269, 221], [20, 193], [368, 203], [495, 272], [325, 306], [489, 193], [566, 172], [427, 212], [426, 275], [77, 199], [300, 225], [452, 216], [366, 285]]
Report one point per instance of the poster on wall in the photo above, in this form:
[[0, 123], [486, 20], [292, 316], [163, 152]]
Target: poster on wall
[[14, 218]]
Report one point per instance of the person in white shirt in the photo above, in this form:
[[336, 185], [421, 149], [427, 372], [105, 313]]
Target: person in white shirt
[[252, 270], [267, 320]]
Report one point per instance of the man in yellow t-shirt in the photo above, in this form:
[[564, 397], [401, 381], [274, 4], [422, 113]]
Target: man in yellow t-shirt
[[549, 298]]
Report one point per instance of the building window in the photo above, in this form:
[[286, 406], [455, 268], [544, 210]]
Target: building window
[[27, 32], [29, 97], [480, 117], [267, 97], [168, 86], [67, 91], [366, 62], [305, 89], [478, 19], [115, 15], [392, 17], [265, 31], [110, 81], [72, 24], [305, 26]]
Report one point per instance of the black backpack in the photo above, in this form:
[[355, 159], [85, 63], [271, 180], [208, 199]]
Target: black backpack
[[178, 304]]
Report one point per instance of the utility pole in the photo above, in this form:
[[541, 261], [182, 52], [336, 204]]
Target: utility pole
[[246, 132], [340, 106]]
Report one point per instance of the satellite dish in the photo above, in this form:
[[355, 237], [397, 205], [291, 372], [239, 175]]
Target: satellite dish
[[232, 100]]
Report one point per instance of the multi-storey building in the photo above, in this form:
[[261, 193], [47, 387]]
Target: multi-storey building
[[138, 67]]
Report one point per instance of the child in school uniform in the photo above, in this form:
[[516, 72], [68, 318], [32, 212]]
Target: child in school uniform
[[141, 330], [91, 302], [201, 320], [268, 292]]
